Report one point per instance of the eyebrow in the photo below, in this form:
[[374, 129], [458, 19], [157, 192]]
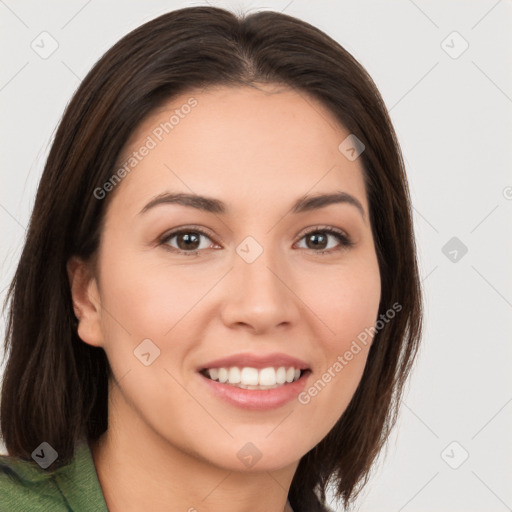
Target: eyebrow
[[212, 205]]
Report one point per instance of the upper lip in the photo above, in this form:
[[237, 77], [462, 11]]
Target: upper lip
[[256, 361]]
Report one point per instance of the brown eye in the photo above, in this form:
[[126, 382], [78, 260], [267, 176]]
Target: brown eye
[[318, 240], [187, 241]]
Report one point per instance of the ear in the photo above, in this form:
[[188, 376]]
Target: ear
[[86, 301]]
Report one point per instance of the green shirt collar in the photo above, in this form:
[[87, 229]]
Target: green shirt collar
[[77, 482]]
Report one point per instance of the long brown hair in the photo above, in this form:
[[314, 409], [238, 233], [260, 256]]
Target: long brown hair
[[55, 385]]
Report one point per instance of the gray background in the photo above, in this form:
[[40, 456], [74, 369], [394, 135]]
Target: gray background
[[452, 114]]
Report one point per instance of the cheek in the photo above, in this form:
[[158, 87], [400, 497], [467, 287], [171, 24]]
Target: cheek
[[137, 305], [347, 302], [147, 300]]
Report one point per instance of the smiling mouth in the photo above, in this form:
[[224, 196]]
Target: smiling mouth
[[254, 378]]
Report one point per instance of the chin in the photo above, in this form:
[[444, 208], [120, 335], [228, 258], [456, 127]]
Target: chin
[[257, 453]]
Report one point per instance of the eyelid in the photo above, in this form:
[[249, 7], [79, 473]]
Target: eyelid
[[325, 228]]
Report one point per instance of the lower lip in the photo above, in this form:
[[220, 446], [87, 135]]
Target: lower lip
[[257, 399]]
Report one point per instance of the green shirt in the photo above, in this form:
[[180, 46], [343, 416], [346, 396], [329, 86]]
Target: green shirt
[[26, 487]]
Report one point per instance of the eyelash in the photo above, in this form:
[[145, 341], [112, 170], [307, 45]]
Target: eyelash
[[345, 241]]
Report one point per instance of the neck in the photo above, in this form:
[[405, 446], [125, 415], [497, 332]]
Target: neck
[[139, 470]]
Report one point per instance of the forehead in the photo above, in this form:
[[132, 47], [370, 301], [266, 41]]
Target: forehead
[[265, 143]]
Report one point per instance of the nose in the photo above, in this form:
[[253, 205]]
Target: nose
[[259, 295]]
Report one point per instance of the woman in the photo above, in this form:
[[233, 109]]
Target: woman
[[218, 303]]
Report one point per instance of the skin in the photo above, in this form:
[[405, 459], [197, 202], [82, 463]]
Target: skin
[[170, 445]]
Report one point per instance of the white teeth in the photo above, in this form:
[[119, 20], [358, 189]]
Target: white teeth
[[281, 375], [252, 378], [267, 377], [234, 375], [249, 377]]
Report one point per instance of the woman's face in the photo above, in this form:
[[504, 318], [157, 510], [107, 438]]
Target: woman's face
[[244, 289]]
